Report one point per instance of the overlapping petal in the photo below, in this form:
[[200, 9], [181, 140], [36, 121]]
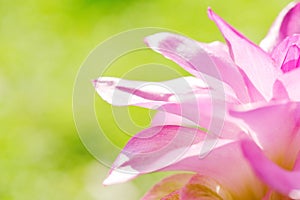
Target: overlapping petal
[[201, 59], [290, 81], [181, 101], [272, 126], [261, 70], [121, 92], [286, 24], [286, 54], [235, 124], [283, 181], [177, 148]]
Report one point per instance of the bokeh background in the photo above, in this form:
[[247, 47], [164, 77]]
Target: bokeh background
[[42, 46]]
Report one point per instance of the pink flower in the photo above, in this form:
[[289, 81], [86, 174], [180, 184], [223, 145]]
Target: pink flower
[[256, 149]]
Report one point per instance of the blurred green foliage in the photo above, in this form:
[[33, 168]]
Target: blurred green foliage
[[43, 44]]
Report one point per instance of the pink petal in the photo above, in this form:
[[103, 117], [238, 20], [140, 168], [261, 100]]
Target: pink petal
[[162, 118], [186, 99], [206, 113], [279, 91], [250, 58], [200, 59], [177, 148], [286, 24], [285, 182], [286, 54], [202, 187], [167, 186], [272, 126], [147, 151], [291, 83], [291, 60], [120, 92]]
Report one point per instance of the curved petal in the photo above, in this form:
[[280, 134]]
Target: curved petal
[[167, 186], [285, 182], [162, 118], [256, 63], [148, 151], [183, 101], [286, 54], [286, 24], [120, 92], [279, 91], [291, 83], [200, 59], [202, 187], [178, 148], [272, 126], [206, 113]]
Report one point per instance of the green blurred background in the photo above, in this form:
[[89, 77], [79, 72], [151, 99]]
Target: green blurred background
[[43, 44]]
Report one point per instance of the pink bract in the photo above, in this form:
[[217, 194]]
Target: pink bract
[[255, 151]]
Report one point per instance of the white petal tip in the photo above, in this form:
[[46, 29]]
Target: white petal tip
[[118, 177]]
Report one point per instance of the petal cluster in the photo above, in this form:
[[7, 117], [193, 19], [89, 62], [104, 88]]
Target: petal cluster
[[233, 124]]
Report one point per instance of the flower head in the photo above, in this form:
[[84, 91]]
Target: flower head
[[255, 148]]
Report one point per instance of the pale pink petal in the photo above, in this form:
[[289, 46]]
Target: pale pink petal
[[279, 91], [286, 24], [272, 126], [283, 181], [120, 92], [165, 118], [256, 63], [206, 113], [291, 82], [286, 54], [178, 148], [147, 151], [167, 186], [200, 59], [202, 187], [187, 100]]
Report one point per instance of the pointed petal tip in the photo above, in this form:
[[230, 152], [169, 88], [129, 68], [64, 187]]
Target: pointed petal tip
[[94, 82], [116, 177], [153, 41], [210, 13]]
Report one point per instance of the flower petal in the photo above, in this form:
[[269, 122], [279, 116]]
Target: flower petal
[[286, 54], [167, 186], [200, 59], [188, 101], [285, 182], [272, 126], [250, 58], [202, 187], [162, 118], [279, 91], [291, 83], [120, 92], [206, 113], [177, 148], [286, 24], [144, 151]]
